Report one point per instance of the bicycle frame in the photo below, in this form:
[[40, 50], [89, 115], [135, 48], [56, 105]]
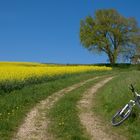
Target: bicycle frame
[[125, 112], [136, 96], [130, 104]]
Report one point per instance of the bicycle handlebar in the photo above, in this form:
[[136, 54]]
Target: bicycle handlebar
[[133, 91], [132, 88]]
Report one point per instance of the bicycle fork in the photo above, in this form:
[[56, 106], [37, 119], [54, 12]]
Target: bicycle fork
[[127, 106]]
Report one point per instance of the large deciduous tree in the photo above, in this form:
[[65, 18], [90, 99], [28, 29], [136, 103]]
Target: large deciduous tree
[[110, 32]]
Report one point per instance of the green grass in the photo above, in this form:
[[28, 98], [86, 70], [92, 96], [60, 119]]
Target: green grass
[[65, 123], [8, 86], [15, 105], [115, 95]]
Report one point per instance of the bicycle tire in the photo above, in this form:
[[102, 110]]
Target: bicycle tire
[[122, 115]]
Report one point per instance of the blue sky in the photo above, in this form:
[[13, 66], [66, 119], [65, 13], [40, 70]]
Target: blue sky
[[48, 30]]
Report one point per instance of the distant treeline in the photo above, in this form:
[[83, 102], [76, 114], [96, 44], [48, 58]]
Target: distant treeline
[[117, 65]]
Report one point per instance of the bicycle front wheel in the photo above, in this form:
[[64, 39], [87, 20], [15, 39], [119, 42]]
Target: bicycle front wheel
[[121, 115]]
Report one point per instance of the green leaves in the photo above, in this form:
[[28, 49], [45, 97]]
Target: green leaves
[[110, 32]]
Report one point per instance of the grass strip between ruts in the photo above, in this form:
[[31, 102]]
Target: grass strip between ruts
[[65, 123], [14, 106]]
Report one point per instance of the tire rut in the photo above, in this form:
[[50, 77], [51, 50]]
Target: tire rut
[[36, 123], [93, 125]]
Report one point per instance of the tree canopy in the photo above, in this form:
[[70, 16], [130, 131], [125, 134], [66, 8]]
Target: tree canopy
[[110, 32]]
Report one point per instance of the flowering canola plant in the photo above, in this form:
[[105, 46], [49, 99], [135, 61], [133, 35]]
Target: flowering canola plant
[[22, 71]]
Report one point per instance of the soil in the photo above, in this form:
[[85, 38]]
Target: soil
[[94, 126], [36, 123]]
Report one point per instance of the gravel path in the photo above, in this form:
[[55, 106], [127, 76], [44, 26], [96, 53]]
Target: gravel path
[[36, 123], [94, 127]]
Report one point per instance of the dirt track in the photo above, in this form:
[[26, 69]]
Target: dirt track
[[94, 127], [36, 122]]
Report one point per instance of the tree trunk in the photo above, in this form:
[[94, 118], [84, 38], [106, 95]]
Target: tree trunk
[[112, 59]]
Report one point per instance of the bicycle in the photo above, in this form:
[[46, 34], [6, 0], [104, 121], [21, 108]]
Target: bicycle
[[125, 112]]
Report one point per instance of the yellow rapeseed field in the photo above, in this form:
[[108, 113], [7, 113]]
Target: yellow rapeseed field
[[22, 71]]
